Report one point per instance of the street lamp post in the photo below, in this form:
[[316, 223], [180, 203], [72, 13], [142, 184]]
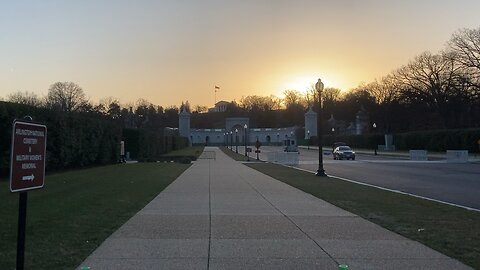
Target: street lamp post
[[374, 146], [245, 138], [333, 135], [319, 87], [308, 139], [231, 140], [236, 141], [278, 138], [246, 142]]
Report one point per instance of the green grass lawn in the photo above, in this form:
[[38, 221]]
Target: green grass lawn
[[188, 151], [450, 230], [235, 156], [77, 210]]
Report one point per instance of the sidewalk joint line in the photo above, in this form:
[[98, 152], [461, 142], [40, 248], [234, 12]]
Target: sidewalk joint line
[[289, 219], [209, 212]]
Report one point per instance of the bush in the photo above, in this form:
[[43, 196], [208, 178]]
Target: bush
[[151, 144], [73, 139], [355, 141], [439, 140], [432, 140]]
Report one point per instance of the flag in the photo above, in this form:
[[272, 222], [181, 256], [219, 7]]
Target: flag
[[217, 87]]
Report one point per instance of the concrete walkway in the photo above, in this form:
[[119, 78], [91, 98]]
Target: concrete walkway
[[220, 214]]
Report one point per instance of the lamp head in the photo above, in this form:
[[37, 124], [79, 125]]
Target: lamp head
[[319, 86]]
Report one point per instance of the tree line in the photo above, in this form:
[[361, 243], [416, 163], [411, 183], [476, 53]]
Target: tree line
[[432, 91]]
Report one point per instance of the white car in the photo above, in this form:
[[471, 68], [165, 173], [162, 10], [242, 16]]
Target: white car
[[343, 152]]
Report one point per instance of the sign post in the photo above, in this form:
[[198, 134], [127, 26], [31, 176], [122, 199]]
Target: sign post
[[257, 145], [27, 171]]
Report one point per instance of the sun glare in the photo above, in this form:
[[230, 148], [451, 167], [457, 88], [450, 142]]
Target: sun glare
[[303, 83]]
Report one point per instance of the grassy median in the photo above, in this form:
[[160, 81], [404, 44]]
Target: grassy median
[[235, 156], [450, 230], [77, 210], [188, 151]]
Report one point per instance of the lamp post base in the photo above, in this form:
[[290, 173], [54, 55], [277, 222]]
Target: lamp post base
[[321, 172]]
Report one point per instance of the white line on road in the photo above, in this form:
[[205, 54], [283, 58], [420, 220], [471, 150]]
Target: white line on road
[[391, 190]]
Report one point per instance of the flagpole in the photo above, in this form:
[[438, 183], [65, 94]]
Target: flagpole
[[216, 88]]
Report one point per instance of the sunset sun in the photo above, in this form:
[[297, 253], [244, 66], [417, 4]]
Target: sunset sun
[[304, 83]]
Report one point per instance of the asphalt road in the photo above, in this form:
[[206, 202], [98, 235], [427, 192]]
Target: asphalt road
[[457, 183]]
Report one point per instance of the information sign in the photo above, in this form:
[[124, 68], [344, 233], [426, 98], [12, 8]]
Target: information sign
[[27, 162]]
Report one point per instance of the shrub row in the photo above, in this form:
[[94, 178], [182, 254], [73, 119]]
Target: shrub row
[[143, 144], [73, 140], [84, 139], [432, 140], [356, 141], [439, 140]]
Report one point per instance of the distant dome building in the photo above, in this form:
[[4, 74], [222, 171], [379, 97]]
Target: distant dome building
[[220, 106]]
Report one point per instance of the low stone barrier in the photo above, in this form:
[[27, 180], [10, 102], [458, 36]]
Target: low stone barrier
[[286, 158], [459, 156], [418, 155]]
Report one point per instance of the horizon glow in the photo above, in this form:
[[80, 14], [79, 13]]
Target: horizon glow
[[172, 51]]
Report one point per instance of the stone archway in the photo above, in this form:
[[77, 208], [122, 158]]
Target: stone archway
[[240, 134]]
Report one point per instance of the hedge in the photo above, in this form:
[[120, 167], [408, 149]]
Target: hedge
[[356, 141], [432, 140], [150, 145], [439, 140], [73, 139]]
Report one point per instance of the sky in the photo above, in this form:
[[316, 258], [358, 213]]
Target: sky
[[172, 51]]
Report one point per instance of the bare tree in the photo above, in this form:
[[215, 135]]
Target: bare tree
[[66, 97], [200, 109], [464, 48], [111, 107], [294, 98], [331, 94], [185, 105], [259, 103], [27, 98], [433, 80]]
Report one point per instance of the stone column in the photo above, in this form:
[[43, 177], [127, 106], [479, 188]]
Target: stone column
[[310, 123]]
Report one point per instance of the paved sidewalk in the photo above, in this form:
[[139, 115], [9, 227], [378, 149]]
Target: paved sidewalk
[[220, 214]]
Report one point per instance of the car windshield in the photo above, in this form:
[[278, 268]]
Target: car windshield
[[344, 148]]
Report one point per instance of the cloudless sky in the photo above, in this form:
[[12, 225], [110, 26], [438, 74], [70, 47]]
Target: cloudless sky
[[172, 51]]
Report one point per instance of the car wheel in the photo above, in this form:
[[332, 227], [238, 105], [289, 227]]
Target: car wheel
[[353, 158]]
